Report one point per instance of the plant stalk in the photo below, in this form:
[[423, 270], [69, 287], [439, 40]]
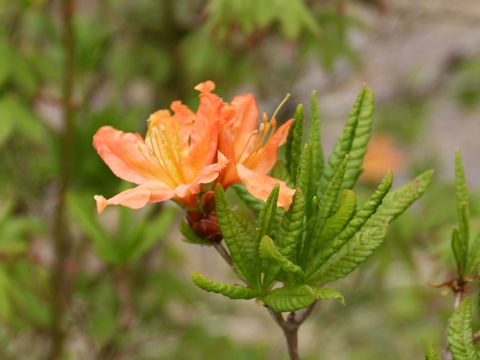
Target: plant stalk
[[60, 283]]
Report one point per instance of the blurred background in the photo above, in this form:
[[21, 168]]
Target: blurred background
[[76, 285]]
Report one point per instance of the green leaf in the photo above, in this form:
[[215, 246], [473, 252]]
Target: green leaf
[[364, 113], [84, 217], [367, 210], [350, 256], [190, 236], [280, 172], [353, 140], [290, 298], [457, 247], [228, 290], [337, 222], [254, 204], [268, 250], [430, 353], [231, 236], [296, 297], [371, 235], [460, 333], [315, 144], [462, 213], [474, 254], [303, 170], [322, 293], [324, 208], [291, 227], [293, 148]]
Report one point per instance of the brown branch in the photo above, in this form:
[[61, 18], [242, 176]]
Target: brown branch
[[224, 254], [60, 283]]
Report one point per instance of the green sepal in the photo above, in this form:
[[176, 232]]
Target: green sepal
[[352, 140], [315, 142], [296, 297], [228, 290], [372, 233], [268, 250], [190, 236], [360, 218], [430, 353], [252, 202], [231, 236], [460, 333], [293, 147]]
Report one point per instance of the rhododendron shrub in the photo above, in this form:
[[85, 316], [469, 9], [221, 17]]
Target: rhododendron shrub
[[305, 228]]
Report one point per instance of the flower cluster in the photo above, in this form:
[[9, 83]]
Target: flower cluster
[[222, 143]]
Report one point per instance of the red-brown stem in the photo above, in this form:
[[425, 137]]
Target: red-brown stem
[[60, 233]]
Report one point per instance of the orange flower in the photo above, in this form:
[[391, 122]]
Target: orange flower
[[251, 149], [177, 155], [382, 154]]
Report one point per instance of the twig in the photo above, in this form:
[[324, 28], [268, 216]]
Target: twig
[[224, 254], [60, 282]]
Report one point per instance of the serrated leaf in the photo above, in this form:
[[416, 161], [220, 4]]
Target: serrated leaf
[[350, 256], [290, 298], [232, 239], [315, 143], [325, 206], [303, 170], [362, 136], [293, 147], [463, 216], [322, 293], [460, 333], [371, 235], [268, 250], [291, 226], [191, 236], [335, 223], [352, 140], [362, 216], [457, 247], [252, 202], [430, 353], [247, 234], [474, 255], [228, 290]]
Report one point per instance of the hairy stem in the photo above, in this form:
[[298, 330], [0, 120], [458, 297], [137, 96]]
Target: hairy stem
[[59, 278]]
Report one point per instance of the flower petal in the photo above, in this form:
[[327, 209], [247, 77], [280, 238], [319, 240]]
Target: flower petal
[[245, 121], [261, 185], [204, 135], [267, 156], [136, 197], [121, 152]]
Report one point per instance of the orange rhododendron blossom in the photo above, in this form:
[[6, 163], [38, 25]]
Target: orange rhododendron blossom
[[252, 149], [178, 154]]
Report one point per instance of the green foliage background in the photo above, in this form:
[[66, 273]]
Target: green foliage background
[[133, 57]]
